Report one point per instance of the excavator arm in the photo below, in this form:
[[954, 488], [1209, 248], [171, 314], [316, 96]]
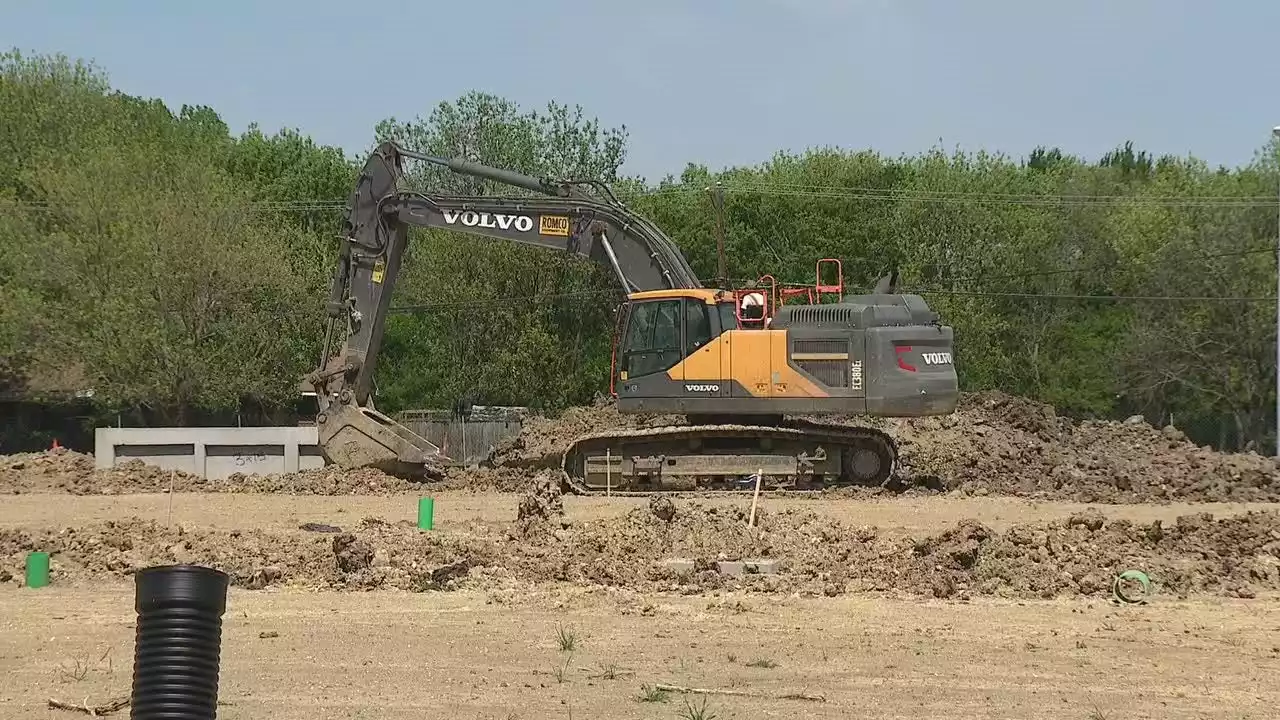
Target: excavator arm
[[566, 218]]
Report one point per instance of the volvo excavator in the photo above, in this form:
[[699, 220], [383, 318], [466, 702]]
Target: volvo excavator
[[748, 368]]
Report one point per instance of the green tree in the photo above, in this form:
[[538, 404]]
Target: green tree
[[180, 271], [498, 322]]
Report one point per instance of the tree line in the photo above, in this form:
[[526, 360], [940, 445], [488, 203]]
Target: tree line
[[167, 270]]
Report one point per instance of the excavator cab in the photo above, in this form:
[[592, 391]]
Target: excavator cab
[[660, 333]]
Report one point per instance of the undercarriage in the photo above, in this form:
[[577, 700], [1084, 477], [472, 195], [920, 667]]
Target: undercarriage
[[791, 455]]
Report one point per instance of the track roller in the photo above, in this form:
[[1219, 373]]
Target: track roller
[[798, 455]]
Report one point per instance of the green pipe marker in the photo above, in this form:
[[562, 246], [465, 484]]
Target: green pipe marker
[[1118, 587], [37, 569], [426, 513]]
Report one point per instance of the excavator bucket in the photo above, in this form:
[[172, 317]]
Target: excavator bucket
[[355, 437]]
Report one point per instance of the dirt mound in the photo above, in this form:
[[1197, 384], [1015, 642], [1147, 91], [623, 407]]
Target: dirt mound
[[487, 479], [1235, 556], [542, 439], [53, 470], [1002, 445], [1077, 556], [1082, 555], [67, 471], [542, 503], [322, 481], [995, 444], [375, 554]]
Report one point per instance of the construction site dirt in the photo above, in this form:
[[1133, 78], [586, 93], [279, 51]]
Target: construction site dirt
[[1006, 574], [995, 445]]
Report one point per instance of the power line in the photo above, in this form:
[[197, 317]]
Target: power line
[[1108, 266], [1118, 298], [548, 298], [1029, 200], [553, 297], [296, 205], [901, 195], [925, 192]]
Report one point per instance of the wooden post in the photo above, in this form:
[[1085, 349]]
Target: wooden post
[[755, 497]]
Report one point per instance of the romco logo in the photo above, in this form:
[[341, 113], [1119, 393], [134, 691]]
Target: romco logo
[[498, 221]]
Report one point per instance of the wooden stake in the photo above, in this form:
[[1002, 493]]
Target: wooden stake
[[93, 710], [755, 498], [742, 693], [172, 474]]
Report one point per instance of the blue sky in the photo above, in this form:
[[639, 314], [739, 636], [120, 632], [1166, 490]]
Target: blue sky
[[720, 82]]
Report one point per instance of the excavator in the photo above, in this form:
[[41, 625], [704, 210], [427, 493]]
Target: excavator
[[749, 368]]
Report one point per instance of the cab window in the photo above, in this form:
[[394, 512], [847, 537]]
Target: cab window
[[653, 338], [728, 316], [697, 325]]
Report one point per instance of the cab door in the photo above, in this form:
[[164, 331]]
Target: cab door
[[702, 352], [651, 347]]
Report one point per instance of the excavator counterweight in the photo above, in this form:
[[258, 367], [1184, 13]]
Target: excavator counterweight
[[747, 367]]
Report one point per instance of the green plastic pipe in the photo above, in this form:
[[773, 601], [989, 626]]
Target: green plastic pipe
[[1117, 587], [426, 513], [37, 569]]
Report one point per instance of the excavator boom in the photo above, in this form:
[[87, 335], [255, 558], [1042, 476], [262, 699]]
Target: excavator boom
[[380, 212]]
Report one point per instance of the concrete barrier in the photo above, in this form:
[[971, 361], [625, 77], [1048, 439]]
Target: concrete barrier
[[211, 452], [217, 452]]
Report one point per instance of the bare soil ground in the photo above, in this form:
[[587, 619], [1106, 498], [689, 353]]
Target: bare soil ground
[[992, 599], [457, 511], [294, 654]]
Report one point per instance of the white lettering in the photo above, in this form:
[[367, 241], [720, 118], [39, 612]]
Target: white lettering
[[855, 375], [701, 388], [500, 221], [937, 358]]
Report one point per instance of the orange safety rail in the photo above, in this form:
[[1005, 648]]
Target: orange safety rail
[[772, 297], [822, 288], [778, 295], [795, 291], [769, 292]]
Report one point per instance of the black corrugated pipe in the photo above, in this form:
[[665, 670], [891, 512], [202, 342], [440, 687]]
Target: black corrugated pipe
[[179, 642]]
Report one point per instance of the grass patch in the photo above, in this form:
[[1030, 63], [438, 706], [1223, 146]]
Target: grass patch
[[652, 694]]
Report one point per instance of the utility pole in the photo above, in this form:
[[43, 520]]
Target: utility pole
[[717, 201], [1275, 133]]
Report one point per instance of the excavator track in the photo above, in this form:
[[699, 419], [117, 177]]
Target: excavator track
[[797, 455]]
